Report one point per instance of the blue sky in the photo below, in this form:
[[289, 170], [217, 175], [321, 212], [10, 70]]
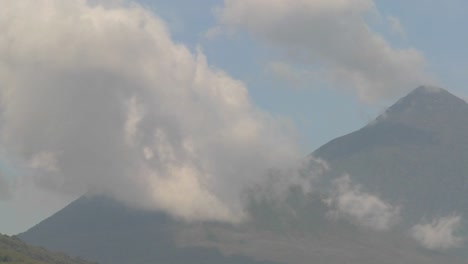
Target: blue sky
[[319, 109], [320, 112], [313, 111], [435, 27]]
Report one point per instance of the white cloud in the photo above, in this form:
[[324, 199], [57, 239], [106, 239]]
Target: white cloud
[[440, 233], [334, 35], [99, 99], [350, 202]]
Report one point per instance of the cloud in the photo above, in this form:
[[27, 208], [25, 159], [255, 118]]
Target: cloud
[[396, 26], [440, 233], [5, 191], [99, 99], [45, 161], [350, 202], [331, 35], [295, 76]]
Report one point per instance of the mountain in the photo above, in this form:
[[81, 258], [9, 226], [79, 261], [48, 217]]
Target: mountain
[[412, 156], [14, 251], [101, 229]]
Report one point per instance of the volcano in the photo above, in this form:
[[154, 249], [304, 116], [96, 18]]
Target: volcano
[[414, 155]]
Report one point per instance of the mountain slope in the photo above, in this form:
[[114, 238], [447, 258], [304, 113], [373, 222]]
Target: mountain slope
[[414, 155], [14, 251], [101, 229], [104, 230]]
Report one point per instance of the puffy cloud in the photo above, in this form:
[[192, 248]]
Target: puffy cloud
[[334, 37], [348, 201], [440, 233], [97, 98]]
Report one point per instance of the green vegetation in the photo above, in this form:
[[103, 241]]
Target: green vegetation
[[15, 251]]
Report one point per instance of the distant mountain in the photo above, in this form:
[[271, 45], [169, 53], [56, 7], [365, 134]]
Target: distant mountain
[[14, 251], [413, 156], [104, 230]]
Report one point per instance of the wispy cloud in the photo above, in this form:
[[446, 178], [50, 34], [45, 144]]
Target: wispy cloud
[[291, 75], [348, 201], [332, 35], [395, 26], [440, 233]]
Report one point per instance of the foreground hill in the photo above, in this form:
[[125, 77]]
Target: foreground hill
[[414, 156], [14, 251]]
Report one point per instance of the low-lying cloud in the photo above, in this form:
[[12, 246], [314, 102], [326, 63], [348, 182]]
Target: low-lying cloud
[[348, 201], [333, 40], [98, 99], [440, 233]]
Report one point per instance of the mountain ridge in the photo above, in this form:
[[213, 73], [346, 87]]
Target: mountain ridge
[[403, 120]]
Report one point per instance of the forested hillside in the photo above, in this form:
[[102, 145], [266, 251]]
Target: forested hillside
[[15, 251]]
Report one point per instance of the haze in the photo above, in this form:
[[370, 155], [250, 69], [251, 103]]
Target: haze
[[232, 119]]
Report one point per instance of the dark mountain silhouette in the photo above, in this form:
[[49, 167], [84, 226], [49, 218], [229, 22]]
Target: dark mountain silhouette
[[104, 230], [414, 155]]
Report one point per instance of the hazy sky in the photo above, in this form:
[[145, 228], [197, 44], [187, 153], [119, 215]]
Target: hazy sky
[[295, 75]]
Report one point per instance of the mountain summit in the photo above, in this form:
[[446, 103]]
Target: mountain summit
[[413, 155], [427, 107], [426, 117]]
